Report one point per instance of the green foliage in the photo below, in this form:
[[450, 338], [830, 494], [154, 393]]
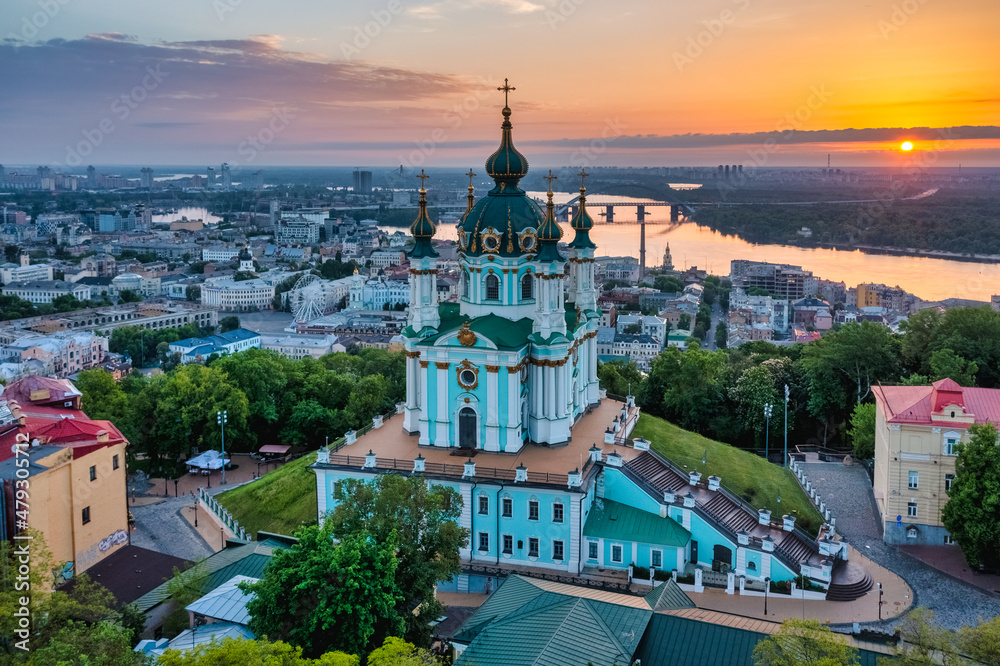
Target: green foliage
[[233, 652], [862, 431], [972, 334], [184, 588], [804, 643], [82, 644], [242, 276], [423, 520], [684, 322], [620, 377], [322, 595], [196, 267], [15, 307], [721, 335], [230, 323], [668, 284], [334, 269], [633, 329], [972, 513], [67, 303], [140, 344], [396, 652], [947, 364], [192, 292], [686, 387], [982, 643], [754, 389], [129, 296], [923, 643]]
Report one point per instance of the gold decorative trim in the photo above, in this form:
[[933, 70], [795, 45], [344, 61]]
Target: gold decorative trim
[[466, 336], [424, 364], [429, 271], [492, 368], [526, 234], [412, 354], [462, 367], [442, 366], [463, 238]]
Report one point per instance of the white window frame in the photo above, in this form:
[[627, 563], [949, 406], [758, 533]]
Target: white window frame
[[507, 507], [484, 499], [562, 512], [656, 551], [949, 479], [949, 446], [537, 546], [911, 509], [593, 547], [484, 536], [558, 556], [913, 479], [503, 543], [621, 553], [533, 504]]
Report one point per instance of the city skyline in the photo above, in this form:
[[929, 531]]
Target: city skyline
[[755, 82]]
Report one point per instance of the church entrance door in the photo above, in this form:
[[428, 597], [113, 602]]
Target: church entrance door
[[467, 428]]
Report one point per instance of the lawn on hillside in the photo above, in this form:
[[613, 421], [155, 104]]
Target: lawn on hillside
[[279, 502], [745, 474]]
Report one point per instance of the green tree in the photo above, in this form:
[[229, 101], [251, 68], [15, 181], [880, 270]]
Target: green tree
[[974, 335], [129, 296], [14, 307], [684, 322], [425, 519], [620, 377], [184, 588], [754, 389], [233, 652], [397, 652], [369, 397], [920, 331], [102, 397], [82, 644], [230, 323], [721, 335], [192, 292], [972, 513], [687, 387], [923, 643], [263, 376], [947, 364], [322, 595], [862, 431], [633, 329], [196, 267], [668, 284], [67, 303], [804, 643], [982, 643]]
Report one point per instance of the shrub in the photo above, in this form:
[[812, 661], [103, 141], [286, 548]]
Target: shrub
[[661, 574], [641, 573], [687, 579]]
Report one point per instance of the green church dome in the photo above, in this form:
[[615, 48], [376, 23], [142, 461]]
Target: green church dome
[[506, 221]]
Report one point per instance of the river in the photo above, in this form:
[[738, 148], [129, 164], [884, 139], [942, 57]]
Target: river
[[192, 213], [693, 245]]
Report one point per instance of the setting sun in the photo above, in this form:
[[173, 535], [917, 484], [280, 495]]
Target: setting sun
[[907, 145]]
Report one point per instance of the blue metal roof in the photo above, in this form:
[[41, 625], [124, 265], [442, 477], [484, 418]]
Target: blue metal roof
[[227, 602]]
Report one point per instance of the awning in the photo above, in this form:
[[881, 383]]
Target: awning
[[208, 460], [278, 449]]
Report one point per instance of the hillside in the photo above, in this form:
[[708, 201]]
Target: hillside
[[745, 474], [279, 502]]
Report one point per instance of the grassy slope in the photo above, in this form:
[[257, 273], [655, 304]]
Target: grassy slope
[[279, 502], [738, 469]]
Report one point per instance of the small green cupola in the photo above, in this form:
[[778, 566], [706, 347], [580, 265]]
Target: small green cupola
[[582, 223], [422, 228], [506, 165], [549, 233]]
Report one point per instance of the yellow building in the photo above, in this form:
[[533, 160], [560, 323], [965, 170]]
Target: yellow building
[[74, 469], [917, 430]]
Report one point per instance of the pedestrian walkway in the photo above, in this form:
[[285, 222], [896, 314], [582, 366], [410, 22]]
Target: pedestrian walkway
[[848, 494], [950, 560]]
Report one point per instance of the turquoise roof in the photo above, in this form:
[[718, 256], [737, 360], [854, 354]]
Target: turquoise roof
[[226, 603], [678, 641], [620, 522], [522, 624], [668, 596]]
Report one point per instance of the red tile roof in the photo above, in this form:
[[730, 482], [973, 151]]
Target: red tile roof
[[920, 404], [59, 391]]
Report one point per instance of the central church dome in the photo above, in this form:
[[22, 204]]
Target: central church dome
[[506, 221]]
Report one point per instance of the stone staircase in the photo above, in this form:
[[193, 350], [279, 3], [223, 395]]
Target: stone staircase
[[655, 473], [728, 513], [849, 582], [793, 546]]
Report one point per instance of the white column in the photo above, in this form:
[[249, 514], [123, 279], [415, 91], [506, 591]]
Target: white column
[[492, 398], [442, 435], [423, 401]]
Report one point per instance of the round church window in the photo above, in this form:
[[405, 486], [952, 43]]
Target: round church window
[[491, 242], [467, 378]]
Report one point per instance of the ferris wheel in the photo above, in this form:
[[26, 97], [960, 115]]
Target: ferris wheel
[[307, 300]]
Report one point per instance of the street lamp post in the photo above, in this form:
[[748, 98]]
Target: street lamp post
[[880, 601], [195, 498], [767, 585], [222, 417], [768, 407], [784, 461]]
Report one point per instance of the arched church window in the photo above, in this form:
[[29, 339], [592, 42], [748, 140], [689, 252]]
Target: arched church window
[[492, 288], [465, 283], [527, 287]]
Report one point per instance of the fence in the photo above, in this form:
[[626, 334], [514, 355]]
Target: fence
[[623, 587], [341, 441], [224, 517], [406, 465]]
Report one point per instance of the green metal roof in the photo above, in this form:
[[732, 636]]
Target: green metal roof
[[620, 522], [245, 560], [668, 597], [521, 624], [504, 333], [678, 641]]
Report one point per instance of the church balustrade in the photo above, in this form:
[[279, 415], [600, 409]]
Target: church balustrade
[[444, 469]]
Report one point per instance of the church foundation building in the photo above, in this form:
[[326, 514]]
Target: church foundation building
[[503, 405]]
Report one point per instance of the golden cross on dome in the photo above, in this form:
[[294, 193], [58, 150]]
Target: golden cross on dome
[[550, 178], [471, 175], [583, 177], [422, 176], [506, 88]]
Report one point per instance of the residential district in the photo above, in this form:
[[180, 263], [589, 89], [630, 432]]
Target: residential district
[[585, 540]]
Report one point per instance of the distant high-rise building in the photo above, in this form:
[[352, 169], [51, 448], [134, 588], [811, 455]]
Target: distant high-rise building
[[3, 174], [146, 178], [275, 212], [362, 182], [210, 177], [91, 176], [256, 181], [227, 177]]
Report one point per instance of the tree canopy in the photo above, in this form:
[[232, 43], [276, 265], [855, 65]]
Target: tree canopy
[[972, 513], [804, 643]]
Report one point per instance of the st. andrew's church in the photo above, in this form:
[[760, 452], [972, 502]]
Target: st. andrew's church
[[503, 405]]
